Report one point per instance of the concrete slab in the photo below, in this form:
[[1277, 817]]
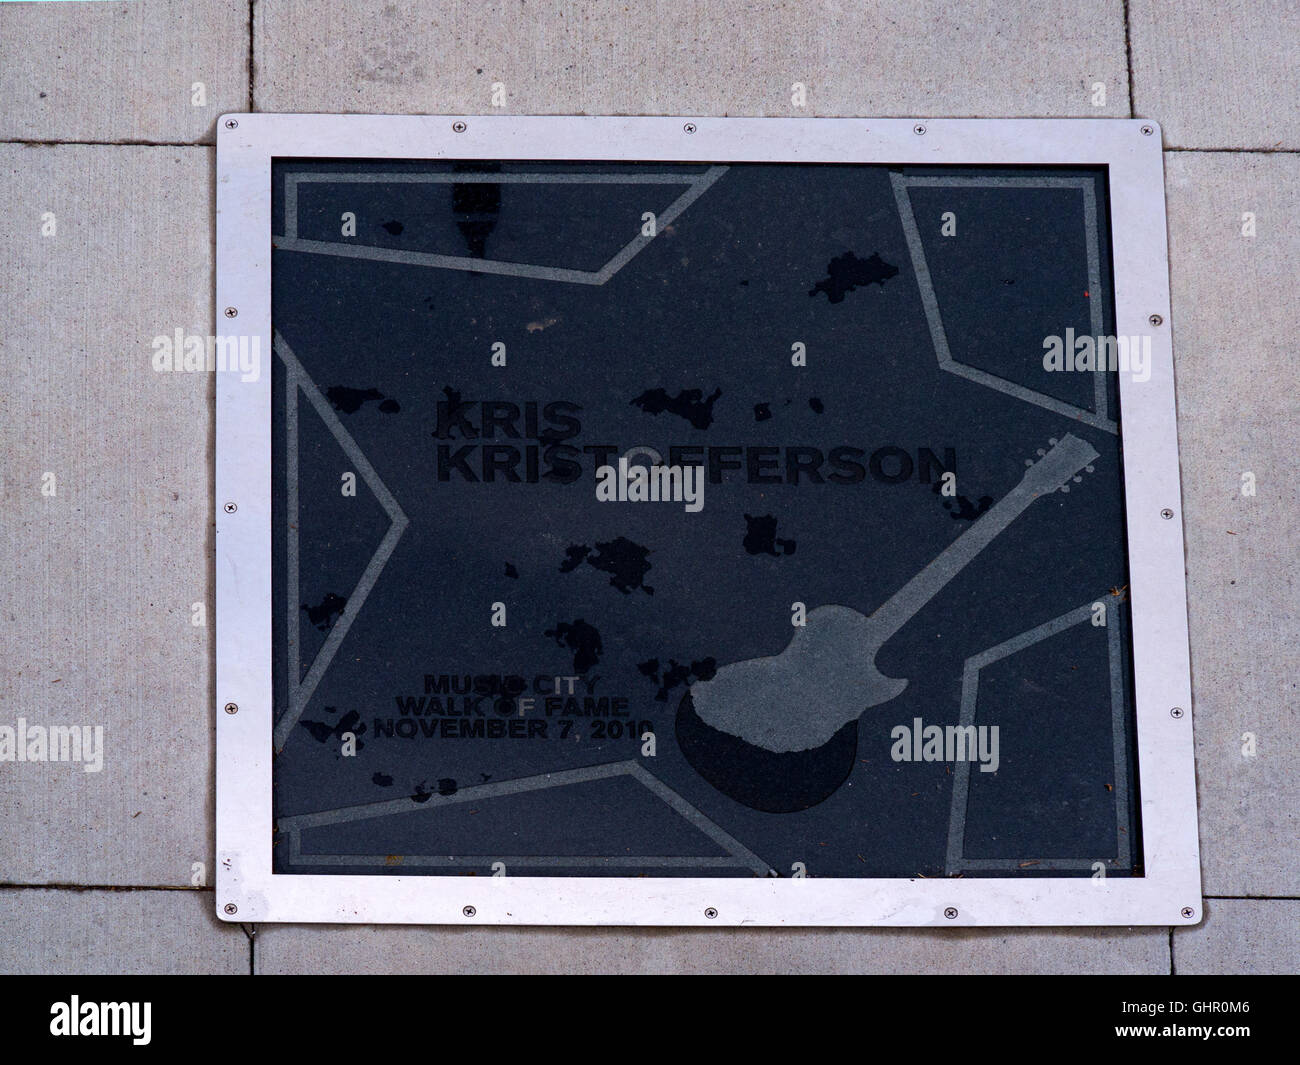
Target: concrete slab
[[116, 932], [122, 72], [895, 57], [1239, 402], [408, 951], [1218, 75], [95, 629], [106, 470], [1241, 936]]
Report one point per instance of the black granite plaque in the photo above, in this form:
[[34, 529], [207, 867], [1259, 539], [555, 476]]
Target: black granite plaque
[[688, 520]]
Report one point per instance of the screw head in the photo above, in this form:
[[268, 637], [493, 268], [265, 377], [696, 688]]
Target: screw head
[[1148, 130], [469, 911], [1167, 514], [230, 508], [1177, 711], [689, 127], [232, 708], [231, 124], [710, 913], [919, 130], [458, 127], [1188, 912], [231, 312], [231, 908], [1156, 319], [950, 912]]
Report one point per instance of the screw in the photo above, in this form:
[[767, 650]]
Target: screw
[[919, 130], [230, 508], [232, 708], [231, 909], [689, 127], [710, 913], [231, 312], [458, 127], [231, 124], [1166, 513], [1148, 130], [1177, 711], [1156, 319], [950, 912], [469, 911], [1188, 912]]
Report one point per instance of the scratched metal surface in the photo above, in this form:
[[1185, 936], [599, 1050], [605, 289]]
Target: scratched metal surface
[[923, 355]]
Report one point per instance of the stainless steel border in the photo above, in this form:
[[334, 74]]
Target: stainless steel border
[[1169, 893]]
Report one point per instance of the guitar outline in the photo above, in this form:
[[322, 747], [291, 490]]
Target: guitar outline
[[746, 699]]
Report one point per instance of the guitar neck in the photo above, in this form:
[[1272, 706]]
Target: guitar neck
[[1048, 474]]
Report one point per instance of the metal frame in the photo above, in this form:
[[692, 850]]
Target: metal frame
[[246, 890]]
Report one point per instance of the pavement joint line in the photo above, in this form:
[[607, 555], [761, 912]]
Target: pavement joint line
[[1128, 60], [29, 143], [107, 887], [1235, 151], [1252, 898], [252, 56]]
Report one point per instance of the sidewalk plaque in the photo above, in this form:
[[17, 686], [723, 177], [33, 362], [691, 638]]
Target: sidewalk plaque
[[657, 521]]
